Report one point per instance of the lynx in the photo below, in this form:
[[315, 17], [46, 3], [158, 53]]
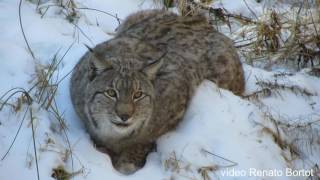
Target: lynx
[[135, 87]]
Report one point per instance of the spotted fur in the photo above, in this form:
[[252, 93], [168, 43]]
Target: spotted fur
[[135, 87]]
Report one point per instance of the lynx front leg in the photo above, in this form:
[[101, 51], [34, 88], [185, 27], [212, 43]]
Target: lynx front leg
[[132, 158]]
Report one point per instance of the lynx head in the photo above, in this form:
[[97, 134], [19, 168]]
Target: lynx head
[[120, 97]]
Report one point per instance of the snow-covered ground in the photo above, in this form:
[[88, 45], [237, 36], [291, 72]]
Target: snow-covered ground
[[222, 135]]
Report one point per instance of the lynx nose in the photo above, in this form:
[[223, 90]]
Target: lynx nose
[[124, 117], [124, 110]]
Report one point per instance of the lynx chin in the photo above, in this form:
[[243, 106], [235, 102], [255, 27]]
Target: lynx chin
[[133, 88]]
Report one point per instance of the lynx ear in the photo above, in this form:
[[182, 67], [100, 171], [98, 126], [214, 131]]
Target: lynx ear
[[152, 69], [100, 65], [97, 63]]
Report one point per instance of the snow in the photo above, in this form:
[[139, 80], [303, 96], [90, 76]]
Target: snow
[[248, 8], [219, 130]]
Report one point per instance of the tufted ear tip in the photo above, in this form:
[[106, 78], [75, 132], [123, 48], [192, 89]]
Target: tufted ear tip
[[89, 48]]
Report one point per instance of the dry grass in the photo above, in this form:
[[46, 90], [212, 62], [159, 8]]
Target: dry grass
[[297, 138], [276, 37], [60, 173], [40, 96], [188, 170], [283, 36]]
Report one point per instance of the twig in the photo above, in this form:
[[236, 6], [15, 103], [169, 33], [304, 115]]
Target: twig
[[93, 9], [34, 142], [312, 19], [85, 8], [232, 162], [24, 36], [265, 92], [243, 45], [222, 12], [84, 34], [11, 95], [293, 88], [18, 88], [15, 137], [254, 14]]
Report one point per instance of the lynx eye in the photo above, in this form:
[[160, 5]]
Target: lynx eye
[[137, 95], [111, 93]]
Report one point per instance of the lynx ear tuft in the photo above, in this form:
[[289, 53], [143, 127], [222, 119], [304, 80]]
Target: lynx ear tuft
[[152, 69], [88, 47]]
